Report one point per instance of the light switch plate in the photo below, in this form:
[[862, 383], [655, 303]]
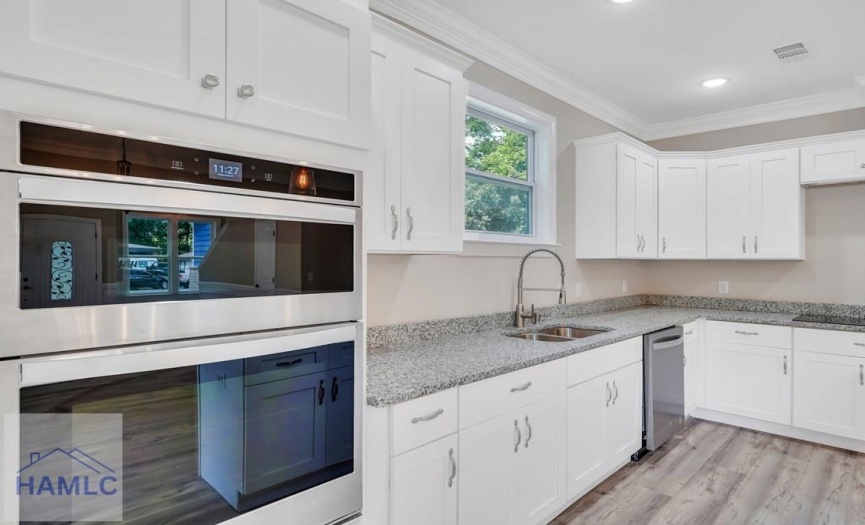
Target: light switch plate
[[723, 286], [578, 290]]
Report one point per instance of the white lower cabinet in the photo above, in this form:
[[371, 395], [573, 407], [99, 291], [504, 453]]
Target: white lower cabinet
[[691, 371], [424, 484], [604, 425], [513, 467], [750, 381], [830, 394]]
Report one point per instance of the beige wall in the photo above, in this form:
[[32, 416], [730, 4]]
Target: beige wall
[[403, 288]]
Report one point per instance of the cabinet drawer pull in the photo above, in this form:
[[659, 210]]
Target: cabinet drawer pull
[[529, 432], [744, 244], [521, 388], [616, 397], [609, 395], [690, 332], [638, 243], [395, 222], [862, 375], [747, 333], [519, 436], [859, 344], [437, 413], [453, 468], [785, 365], [664, 244], [286, 364], [756, 246], [684, 360]]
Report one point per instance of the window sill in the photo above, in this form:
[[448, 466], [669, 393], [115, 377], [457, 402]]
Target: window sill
[[475, 247]]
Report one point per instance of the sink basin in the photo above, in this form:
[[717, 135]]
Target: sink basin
[[569, 332], [547, 338]]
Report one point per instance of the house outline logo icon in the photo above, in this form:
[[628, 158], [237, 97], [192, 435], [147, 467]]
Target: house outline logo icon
[[73, 485]]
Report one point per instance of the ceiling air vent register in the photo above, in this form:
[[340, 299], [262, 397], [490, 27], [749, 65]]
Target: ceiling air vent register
[[792, 53]]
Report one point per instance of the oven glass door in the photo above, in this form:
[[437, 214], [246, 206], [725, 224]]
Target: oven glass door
[[197, 444]]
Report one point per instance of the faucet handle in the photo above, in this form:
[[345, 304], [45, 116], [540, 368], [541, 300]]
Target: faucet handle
[[536, 317]]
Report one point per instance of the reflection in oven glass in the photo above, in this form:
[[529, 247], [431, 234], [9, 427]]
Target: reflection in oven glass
[[121, 256], [203, 444]]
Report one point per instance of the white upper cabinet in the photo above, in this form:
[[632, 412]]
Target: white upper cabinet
[[729, 207], [636, 204], [595, 200], [842, 161], [295, 66], [414, 187], [158, 52], [754, 205], [299, 66], [682, 208], [776, 206]]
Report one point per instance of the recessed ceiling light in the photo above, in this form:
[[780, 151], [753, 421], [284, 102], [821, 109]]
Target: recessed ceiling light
[[714, 82], [621, 1]]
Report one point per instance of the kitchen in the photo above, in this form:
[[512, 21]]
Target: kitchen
[[343, 324]]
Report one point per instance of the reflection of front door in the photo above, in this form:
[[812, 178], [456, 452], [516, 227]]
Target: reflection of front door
[[60, 261], [265, 255]]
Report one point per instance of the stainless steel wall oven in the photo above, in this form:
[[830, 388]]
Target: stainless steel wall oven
[[199, 298]]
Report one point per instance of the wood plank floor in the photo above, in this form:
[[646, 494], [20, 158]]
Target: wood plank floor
[[718, 474]]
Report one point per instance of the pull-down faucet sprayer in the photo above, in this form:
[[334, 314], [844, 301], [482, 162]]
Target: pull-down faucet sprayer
[[520, 316]]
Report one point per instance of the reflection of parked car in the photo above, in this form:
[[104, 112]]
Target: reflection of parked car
[[184, 277], [144, 280]]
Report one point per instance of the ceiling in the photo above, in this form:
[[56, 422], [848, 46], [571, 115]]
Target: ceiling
[[645, 59]]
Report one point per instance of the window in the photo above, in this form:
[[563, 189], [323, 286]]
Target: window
[[510, 171]]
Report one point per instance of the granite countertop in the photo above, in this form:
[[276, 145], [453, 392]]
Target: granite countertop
[[409, 371]]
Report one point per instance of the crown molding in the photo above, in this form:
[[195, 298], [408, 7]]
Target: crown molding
[[776, 111], [454, 30], [445, 25], [414, 40]]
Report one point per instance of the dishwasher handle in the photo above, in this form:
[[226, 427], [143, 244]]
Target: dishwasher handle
[[667, 342]]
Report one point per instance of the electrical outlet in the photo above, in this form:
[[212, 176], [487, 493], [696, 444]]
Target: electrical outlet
[[624, 286], [723, 286], [578, 290]]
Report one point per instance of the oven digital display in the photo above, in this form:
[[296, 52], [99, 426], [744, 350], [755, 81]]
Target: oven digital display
[[226, 170]]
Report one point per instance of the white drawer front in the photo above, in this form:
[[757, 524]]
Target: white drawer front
[[691, 331], [829, 342], [423, 420], [499, 395], [750, 334], [599, 361]]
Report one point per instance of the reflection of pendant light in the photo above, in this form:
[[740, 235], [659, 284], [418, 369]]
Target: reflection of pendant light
[[302, 181], [123, 165]]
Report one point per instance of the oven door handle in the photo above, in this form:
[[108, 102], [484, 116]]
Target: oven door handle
[[321, 392], [334, 390]]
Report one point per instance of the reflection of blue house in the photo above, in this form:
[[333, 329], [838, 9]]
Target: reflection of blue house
[[202, 240]]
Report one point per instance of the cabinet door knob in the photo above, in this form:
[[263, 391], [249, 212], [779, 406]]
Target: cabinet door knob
[[246, 91], [209, 81]]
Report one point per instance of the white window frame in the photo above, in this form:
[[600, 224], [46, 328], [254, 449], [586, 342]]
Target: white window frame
[[510, 113]]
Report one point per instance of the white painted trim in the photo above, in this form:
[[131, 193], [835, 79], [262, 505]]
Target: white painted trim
[[458, 32], [454, 30], [776, 111], [544, 157], [414, 40], [780, 430]]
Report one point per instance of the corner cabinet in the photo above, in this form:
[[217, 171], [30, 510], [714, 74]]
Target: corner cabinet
[[755, 207], [295, 66], [415, 182]]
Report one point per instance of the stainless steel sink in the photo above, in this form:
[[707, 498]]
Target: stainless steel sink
[[534, 336], [558, 334], [570, 332]]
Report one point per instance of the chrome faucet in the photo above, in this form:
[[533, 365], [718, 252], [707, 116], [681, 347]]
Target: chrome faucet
[[520, 316]]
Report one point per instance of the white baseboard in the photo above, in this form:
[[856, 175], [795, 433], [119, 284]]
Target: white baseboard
[[780, 430]]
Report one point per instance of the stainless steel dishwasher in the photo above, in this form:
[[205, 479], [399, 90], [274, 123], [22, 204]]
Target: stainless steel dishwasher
[[664, 387]]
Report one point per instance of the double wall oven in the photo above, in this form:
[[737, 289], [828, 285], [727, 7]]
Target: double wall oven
[[208, 301]]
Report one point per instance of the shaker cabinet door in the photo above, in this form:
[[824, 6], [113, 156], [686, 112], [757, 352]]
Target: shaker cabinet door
[[829, 394], [424, 484], [776, 216], [487, 471], [301, 67], [728, 205], [168, 53], [682, 208]]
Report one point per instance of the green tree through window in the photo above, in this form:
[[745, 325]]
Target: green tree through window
[[498, 178]]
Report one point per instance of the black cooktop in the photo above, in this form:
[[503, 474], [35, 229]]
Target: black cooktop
[[831, 319]]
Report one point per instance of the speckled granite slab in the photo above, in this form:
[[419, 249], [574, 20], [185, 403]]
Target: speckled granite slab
[[407, 371]]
